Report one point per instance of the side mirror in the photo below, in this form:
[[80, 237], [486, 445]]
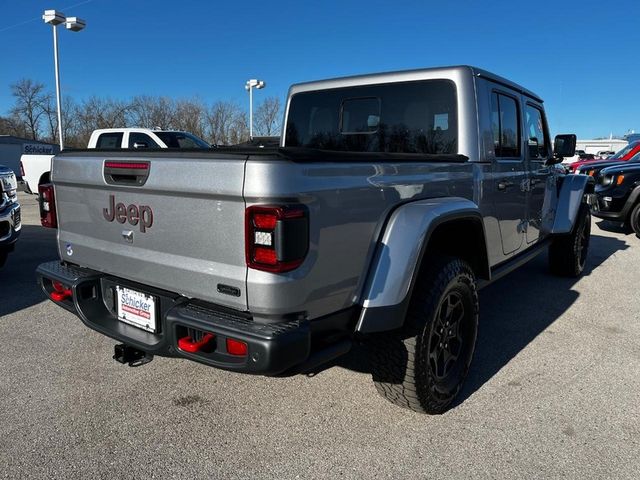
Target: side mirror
[[564, 146], [140, 145]]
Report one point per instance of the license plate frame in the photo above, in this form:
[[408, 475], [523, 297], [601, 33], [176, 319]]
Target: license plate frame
[[136, 308]]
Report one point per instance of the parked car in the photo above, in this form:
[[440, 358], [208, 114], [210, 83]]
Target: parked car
[[593, 168], [36, 168], [573, 158], [384, 211], [10, 222], [139, 138], [623, 155], [618, 195], [604, 154]]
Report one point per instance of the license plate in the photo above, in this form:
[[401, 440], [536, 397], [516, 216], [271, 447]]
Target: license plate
[[136, 308]]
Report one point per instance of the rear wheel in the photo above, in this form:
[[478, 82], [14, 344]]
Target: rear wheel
[[423, 365], [634, 220], [568, 253]]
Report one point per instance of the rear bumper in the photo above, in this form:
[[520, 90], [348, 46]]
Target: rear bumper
[[10, 225], [282, 347]]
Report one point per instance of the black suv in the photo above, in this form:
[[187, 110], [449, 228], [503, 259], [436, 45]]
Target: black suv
[[594, 169], [618, 192], [9, 213]]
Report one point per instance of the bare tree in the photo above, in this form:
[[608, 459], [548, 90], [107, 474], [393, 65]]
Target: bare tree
[[221, 119], [50, 114], [239, 131], [96, 113], [152, 112], [268, 117], [34, 115], [29, 97], [74, 134], [189, 116], [12, 125]]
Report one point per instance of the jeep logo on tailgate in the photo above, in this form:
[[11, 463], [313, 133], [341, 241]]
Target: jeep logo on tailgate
[[136, 215]]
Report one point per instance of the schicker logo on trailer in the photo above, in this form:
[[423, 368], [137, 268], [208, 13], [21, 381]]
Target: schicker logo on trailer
[[136, 215]]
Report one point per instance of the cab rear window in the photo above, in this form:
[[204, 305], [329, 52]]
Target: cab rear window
[[109, 140], [408, 117]]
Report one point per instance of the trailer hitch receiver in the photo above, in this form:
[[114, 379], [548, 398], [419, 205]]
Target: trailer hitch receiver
[[126, 354]]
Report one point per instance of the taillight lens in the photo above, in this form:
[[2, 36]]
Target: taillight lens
[[277, 237], [47, 201], [237, 347]]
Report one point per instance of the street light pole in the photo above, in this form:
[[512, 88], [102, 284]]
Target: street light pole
[[58, 98], [75, 24], [249, 86], [250, 113]]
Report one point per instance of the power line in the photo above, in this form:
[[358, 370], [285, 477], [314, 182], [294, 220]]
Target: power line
[[4, 29]]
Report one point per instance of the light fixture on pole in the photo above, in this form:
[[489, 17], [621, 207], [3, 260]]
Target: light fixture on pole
[[249, 86], [75, 24]]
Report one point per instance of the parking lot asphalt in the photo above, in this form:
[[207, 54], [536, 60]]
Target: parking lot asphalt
[[553, 392]]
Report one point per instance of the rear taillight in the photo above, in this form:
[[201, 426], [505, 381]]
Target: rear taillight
[[237, 347], [47, 201], [277, 237], [21, 170]]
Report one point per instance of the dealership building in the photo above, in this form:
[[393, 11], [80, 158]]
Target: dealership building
[[601, 145], [12, 148]]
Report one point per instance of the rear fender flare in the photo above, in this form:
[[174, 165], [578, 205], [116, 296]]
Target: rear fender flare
[[397, 260]]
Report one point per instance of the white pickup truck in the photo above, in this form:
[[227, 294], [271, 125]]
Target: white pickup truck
[[36, 168]]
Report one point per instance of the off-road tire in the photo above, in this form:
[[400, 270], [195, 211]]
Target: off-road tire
[[568, 253], [404, 363], [634, 220]]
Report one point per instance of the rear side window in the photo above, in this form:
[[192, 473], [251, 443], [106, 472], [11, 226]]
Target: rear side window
[[141, 139], [505, 125], [181, 140], [109, 140], [537, 138], [410, 117]]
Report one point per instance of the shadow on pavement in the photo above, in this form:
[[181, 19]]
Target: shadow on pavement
[[615, 227], [18, 288], [513, 312]]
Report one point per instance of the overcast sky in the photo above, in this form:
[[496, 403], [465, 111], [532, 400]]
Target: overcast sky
[[581, 57]]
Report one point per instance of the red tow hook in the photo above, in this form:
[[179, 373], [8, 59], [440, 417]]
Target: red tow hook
[[60, 292], [188, 345]]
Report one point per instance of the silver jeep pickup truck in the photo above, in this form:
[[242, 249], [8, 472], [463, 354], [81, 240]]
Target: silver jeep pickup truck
[[390, 201]]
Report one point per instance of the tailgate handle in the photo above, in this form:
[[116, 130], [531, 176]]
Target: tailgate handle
[[126, 173]]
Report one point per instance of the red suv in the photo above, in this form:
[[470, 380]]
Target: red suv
[[627, 153]]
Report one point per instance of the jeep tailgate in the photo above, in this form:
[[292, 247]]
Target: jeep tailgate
[[181, 230]]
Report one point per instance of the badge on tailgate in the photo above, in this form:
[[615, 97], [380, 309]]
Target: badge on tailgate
[[141, 215]]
